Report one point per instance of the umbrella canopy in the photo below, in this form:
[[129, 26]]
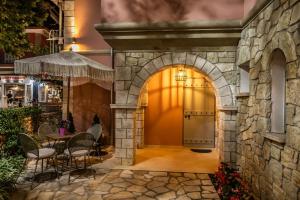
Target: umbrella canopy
[[64, 64]]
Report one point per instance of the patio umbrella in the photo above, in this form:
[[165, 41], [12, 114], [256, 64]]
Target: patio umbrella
[[64, 64]]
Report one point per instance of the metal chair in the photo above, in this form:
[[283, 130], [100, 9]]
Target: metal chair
[[43, 131], [79, 145], [96, 131], [32, 151]]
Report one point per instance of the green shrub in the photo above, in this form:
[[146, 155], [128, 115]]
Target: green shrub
[[10, 169], [12, 123]]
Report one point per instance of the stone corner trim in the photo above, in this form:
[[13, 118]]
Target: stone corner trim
[[227, 108], [276, 137]]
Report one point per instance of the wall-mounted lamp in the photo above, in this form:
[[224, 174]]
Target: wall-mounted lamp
[[74, 46]]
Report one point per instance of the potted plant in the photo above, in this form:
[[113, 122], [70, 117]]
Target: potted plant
[[62, 127]]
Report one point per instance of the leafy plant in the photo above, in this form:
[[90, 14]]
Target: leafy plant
[[96, 120], [229, 184], [10, 169], [12, 123], [71, 126], [15, 17]]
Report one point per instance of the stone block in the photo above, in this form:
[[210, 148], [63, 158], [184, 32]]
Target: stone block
[[179, 57], [130, 61], [263, 91], [127, 143], [119, 60], [212, 57], [129, 153], [120, 113], [293, 89], [121, 97], [293, 137], [167, 59], [295, 17], [220, 82], [150, 67], [118, 143], [199, 63], [120, 133], [69, 5], [130, 133], [127, 123], [225, 91], [275, 152], [127, 161], [215, 74], [120, 153], [225, 67], [119, 85], [284, 20], [143, 74], [226, 101], [158, 63], [134, 90], [191, 58], [296, 178], [123, 73], [227, 60]]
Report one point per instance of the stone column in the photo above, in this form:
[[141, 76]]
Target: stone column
[[125, 135], [69, 22], [139, 138], [227, 135]]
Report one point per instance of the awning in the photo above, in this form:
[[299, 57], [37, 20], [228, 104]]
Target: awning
[[64, 64]]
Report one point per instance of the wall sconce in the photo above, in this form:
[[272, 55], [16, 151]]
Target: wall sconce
[[181, 75], [74, 46]]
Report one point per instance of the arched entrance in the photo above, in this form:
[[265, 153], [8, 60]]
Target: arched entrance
[[129, 110], [179, 113]]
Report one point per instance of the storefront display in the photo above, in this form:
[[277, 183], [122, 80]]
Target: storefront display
[[15, 91]]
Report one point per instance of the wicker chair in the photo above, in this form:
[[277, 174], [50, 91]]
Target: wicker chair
[[32, 151], [96, 131], [43, 131], [79, 145]]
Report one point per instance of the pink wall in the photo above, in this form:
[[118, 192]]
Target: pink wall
[[170, 10], [87, 13], [248, 5]]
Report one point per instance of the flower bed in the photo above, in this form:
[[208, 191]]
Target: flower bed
[[229, 184]]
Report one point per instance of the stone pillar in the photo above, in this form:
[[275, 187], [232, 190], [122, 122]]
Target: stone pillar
[[69, 22], [227, 136], [125, 135], [139, 128]]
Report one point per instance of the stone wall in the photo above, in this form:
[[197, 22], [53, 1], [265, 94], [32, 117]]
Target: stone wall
[[133, 70], [268, 161]]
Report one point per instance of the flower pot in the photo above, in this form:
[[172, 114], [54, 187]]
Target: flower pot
[[61, 131]]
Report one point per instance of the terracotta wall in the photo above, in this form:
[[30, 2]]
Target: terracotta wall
[[248, 5], [170, 10], [89, 99], [88, 13], [163, 116]]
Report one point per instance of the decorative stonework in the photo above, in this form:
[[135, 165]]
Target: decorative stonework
[[134, 69], [269, 162]]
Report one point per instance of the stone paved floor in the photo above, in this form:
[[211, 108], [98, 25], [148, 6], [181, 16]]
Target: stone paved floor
[[127, 184], [112, 183]]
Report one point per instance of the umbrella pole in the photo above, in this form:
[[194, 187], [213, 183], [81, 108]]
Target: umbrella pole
[[68, 100]]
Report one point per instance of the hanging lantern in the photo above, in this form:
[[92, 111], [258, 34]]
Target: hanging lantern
[[181, 75]]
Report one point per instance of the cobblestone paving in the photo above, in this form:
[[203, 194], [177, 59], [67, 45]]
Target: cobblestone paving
[[125, 184]]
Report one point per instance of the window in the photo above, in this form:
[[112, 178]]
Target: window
[[277, 66], [244, 78]]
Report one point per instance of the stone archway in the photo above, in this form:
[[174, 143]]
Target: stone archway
[[129, 117]]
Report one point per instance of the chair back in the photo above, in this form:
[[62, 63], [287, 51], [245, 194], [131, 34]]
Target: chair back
[[43, 130], [28, 144], [96, 131], [81, 141]]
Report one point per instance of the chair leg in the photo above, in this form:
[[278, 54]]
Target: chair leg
[[42, 165], [36, 163], [54, 159], [89, 158], [70, 169]]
